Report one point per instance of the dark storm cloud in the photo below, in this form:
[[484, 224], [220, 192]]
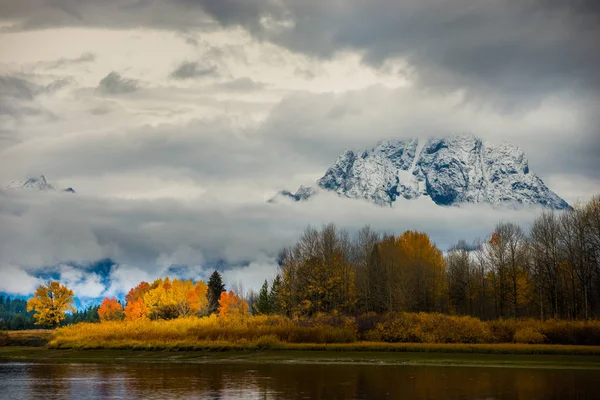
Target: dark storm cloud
[[114, 83], [512, 53], [191, 70]]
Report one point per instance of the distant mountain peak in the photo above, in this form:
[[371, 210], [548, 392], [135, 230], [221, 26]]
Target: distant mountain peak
[[450, 170], [40, 184]]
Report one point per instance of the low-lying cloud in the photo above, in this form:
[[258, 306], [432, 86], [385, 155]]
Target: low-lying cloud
[[147, 239]]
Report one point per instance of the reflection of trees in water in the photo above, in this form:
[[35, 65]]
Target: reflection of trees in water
[[51, 380], [216, 381]]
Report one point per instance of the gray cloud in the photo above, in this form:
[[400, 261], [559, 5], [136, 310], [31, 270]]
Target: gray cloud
[[18, 93], [57, 85], [510, 53], [40, 14], [64, 62], [113, 83], [18, 88], [191, 69], [8, 108], [241, 84]]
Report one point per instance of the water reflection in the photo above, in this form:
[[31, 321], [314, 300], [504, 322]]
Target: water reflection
[[289, 381]]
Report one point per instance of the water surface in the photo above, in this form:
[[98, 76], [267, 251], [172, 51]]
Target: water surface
[[290, 381]]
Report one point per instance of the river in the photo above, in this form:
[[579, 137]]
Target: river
[[290, 381]]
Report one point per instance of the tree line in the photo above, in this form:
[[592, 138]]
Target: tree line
[[550, 271]]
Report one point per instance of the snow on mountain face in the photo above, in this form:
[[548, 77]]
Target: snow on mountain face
[[450, 170], [36, 184]]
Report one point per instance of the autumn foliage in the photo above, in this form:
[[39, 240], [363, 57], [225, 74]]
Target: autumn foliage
[[163, 299], [233, 307], [50, 302], [110, 310]]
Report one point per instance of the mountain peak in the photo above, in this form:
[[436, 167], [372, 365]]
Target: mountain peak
[[40, 184], [450, 170]]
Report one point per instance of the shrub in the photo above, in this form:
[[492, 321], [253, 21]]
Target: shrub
[[529, 335], [430, 328], [502, 331]]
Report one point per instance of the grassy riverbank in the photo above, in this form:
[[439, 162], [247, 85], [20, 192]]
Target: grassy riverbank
[[276, 332], [301, 356], [32, 337]]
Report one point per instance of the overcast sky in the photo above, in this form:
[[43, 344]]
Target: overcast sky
[[176, 120]]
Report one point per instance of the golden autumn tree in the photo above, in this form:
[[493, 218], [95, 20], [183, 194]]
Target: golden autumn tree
[[110, 310], [50, 303], [232, 307], [424, 268], [407, 273], [159, 300], [167, 299], [189, 298]]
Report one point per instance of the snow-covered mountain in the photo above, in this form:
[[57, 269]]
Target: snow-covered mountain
[[36, 184], [450, 170]]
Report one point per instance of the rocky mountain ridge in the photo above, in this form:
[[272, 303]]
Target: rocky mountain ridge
[[451, 170]]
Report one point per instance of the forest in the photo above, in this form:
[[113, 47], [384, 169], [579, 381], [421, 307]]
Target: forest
[[551, 271]]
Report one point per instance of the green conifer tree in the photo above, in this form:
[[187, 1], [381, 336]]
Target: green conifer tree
[[263, 303], [274, 296], [215, 288]]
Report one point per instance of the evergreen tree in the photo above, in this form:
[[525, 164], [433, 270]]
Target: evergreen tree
[[215, 288], [275, 296], [263, 303]]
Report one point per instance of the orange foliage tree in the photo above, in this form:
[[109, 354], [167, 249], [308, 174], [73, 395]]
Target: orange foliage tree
[[135, 307], [232, 307], [110, 310]]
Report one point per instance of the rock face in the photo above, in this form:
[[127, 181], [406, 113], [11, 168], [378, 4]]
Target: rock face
[[451, 170], [36, 184]]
